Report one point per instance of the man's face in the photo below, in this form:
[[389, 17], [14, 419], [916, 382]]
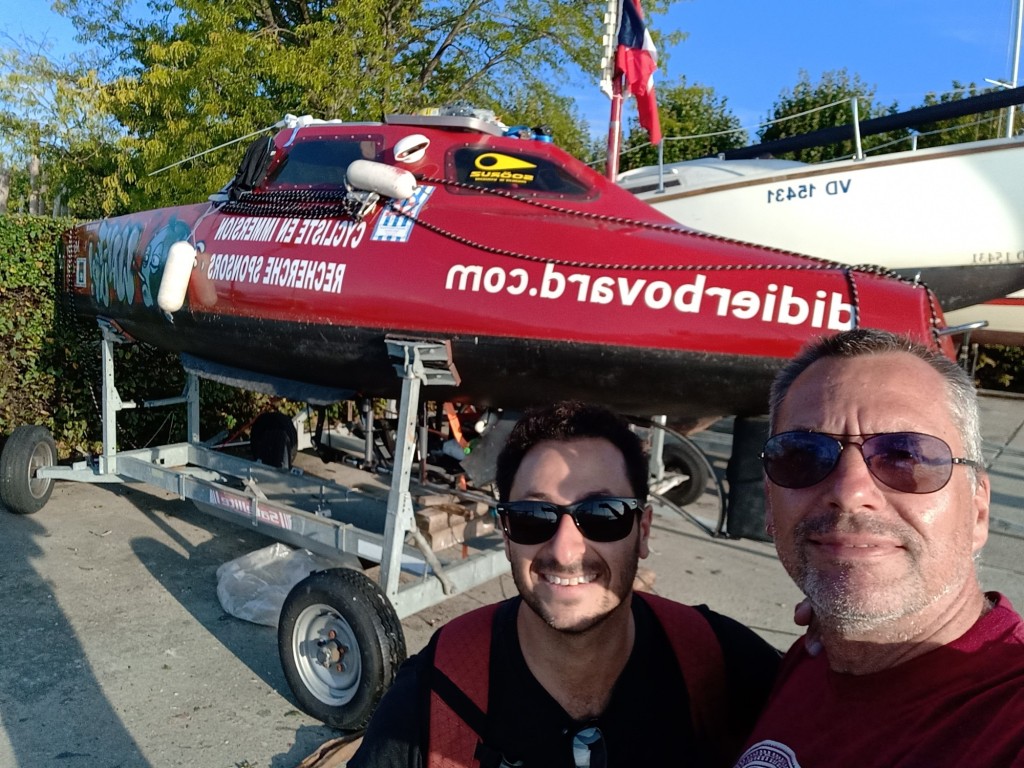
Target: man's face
[[864, 553], [570, 582]]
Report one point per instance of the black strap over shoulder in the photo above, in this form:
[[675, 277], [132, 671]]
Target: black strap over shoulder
[[472, 715], [460, 703]]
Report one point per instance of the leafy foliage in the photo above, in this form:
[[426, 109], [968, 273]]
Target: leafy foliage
[[987, 125], [52, 373], [799, 113], [50, 112], [1000, 368], [199, 74], [688, 113]]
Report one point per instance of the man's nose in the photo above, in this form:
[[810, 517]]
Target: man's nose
[[568, 544], [851, 482]]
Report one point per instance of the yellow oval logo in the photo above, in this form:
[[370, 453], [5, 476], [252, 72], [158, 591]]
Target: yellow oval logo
[[492, 161]]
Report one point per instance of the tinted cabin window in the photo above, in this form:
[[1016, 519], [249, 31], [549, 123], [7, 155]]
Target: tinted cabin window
[[320, 163], [518, 171]]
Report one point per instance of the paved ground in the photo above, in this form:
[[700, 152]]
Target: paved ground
[[114, 650]]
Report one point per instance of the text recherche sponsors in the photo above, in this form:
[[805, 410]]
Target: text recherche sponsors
[[775, 303]]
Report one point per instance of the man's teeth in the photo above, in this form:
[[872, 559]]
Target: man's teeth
[[574, 581]]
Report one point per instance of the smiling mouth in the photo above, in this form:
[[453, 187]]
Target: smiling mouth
[[563, 581]]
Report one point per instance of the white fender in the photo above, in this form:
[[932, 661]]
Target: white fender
[[412, 148], [181, 257], [385, 180]]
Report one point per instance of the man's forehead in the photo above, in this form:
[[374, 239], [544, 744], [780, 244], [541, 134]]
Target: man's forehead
[[879, 382], [895, 363]]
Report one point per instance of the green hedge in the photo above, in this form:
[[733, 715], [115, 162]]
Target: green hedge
[[51, 372]]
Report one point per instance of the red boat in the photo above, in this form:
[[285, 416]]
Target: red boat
[[546, 280]]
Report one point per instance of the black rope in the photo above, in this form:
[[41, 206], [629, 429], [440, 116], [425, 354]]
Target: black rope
[[311, 203]]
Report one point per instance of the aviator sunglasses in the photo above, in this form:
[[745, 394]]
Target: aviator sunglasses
[[602, 519], [904, 461]]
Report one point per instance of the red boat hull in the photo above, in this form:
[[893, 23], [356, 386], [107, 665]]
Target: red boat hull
[[542, 294]]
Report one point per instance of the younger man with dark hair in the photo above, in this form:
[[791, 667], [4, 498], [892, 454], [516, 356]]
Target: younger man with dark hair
[[574, 671]]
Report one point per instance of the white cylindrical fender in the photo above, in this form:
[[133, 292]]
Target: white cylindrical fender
[[181, 257], [385, 180]]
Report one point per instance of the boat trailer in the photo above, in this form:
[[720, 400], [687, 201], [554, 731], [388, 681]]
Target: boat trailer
[[339, 633]]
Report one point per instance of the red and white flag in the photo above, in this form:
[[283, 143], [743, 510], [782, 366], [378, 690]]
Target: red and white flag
[[636, 58]]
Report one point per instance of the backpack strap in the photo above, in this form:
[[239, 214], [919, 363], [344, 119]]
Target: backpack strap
[[459, 684], [700, 658]]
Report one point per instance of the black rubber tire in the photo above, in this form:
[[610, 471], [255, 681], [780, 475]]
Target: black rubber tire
[[26, 450], [274, 440], [352, 607], [682, 455]]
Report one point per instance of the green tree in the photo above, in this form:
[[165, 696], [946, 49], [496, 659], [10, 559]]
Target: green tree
[[56, 142], [813, 106], [985, 125], [694, 122], [197, 74]]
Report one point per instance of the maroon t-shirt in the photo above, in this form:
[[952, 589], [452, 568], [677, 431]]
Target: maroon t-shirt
[[959, 705]]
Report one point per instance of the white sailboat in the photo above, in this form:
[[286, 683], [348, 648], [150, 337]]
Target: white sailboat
[[951, 215]]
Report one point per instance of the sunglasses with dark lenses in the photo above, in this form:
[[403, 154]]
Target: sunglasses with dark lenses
[[904, 461], [602, 519]]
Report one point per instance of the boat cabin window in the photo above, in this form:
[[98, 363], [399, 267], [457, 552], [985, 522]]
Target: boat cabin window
[[518, 171], [320, 163]]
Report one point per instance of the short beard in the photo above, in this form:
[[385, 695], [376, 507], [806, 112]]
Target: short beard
[[588, 624]]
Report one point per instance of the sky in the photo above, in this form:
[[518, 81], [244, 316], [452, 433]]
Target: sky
[[749, 51]]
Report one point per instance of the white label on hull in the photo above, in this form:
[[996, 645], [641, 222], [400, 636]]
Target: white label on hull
[[776, 303], [277, 271]]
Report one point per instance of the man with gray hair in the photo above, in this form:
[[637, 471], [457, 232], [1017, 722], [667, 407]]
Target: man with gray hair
[[878, 503]]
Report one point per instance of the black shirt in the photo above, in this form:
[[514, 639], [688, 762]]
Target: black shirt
[[647, 721]]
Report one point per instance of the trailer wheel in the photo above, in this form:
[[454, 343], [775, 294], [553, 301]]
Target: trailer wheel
[[28, 449], [274, 440], [682, 456], [341, 644]]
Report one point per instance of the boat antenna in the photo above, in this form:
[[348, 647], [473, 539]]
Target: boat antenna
[[279, 124]]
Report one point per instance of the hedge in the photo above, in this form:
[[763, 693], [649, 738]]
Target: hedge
[[51, 374]]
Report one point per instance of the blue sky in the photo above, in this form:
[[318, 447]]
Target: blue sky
[[751, 50]]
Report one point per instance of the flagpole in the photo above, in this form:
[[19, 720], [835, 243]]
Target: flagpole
[[611, 84], [614, 130]]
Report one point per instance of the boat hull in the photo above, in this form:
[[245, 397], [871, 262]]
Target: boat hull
[[949, 216], [567, 287]]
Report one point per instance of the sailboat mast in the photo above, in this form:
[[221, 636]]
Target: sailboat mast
[[1016, 66]]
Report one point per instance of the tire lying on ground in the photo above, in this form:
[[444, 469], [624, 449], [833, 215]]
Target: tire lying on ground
[[681, 455], [28, 449], [341, 644]]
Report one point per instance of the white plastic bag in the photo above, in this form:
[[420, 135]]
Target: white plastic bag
[[254, 586]]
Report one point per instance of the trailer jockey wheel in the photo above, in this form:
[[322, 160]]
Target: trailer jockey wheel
[[28, 449], [682, 456], [341, 644]]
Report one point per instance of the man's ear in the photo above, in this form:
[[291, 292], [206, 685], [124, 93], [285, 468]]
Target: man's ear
[[769, 518], [980, 507], [645, 531]]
